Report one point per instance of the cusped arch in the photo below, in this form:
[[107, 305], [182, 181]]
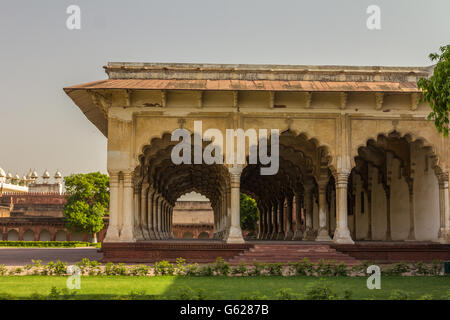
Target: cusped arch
[[325, 149], [410, 137]]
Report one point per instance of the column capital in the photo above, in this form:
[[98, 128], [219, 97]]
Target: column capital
[[236, 169], [443, 180], [341, 179]]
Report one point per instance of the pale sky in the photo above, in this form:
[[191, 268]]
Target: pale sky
[[41, 128]]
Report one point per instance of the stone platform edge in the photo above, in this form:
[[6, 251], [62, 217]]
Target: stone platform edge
[[396, 252], [144, 252]]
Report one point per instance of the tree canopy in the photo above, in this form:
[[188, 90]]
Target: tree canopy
[[87, 201], [436, 90], [249, 213]]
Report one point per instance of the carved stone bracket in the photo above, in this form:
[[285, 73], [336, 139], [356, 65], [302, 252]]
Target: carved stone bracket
[[379, 96], [343, 97], [308, 99], [414, 101]]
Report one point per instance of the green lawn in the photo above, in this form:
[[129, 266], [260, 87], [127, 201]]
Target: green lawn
[[113, 287]]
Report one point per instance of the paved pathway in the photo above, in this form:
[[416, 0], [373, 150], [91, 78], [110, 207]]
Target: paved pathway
[[23, 256]]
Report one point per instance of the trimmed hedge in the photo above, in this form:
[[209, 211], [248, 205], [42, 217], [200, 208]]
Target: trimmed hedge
[[49, 244]]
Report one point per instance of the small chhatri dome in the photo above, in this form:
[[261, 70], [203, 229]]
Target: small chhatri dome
[[16, 177], [9, 175], [34, 175], [2, 173], [24, 178], [58, 174], [46, 175], [30, 173]]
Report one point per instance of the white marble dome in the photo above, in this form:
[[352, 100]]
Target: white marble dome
[[58, 175]]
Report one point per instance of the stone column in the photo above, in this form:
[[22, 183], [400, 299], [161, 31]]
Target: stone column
[[342, 233], [138, 214], [289, 233], [235, 234], [156, 210], [263, 218], [280, 219], [273, 219], [298, 234], [323, 235], [161, 216], [164, 219], [146, 209], [227, 219], [412, 211], [309, 232], [268, 220], [148, 202], [369, 202], [160, 211], [127, 233], [171, 221], [369, 213], [387, 190], [112, 234], [258, 234], [444, 210], [217, 221]]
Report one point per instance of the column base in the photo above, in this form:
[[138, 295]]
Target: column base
[[112, 234], [323, 235], [151, 234], [308, 234], [146, 232], [280, 236], [444, 236], [139, 234], [235, 236], [289, 235], [298, 235], [127, 235], [342, 236]]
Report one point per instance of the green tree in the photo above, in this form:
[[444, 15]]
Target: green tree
[[436, 90], [87, 202], [249, 213]]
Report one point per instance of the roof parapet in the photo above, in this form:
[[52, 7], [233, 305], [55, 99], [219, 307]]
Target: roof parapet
[[190, 71]]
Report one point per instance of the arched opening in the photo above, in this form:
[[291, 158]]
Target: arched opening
[[159, 182], [28, 235], [60, 235], [203, 235], [45, 235], [188, 235], [394, 190], [193, 211], [13, 235], [249, 216], [292, 204]]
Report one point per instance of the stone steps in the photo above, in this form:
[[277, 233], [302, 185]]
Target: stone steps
[[271, 253]]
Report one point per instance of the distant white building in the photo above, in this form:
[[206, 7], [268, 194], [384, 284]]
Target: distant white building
[[30, 182]]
